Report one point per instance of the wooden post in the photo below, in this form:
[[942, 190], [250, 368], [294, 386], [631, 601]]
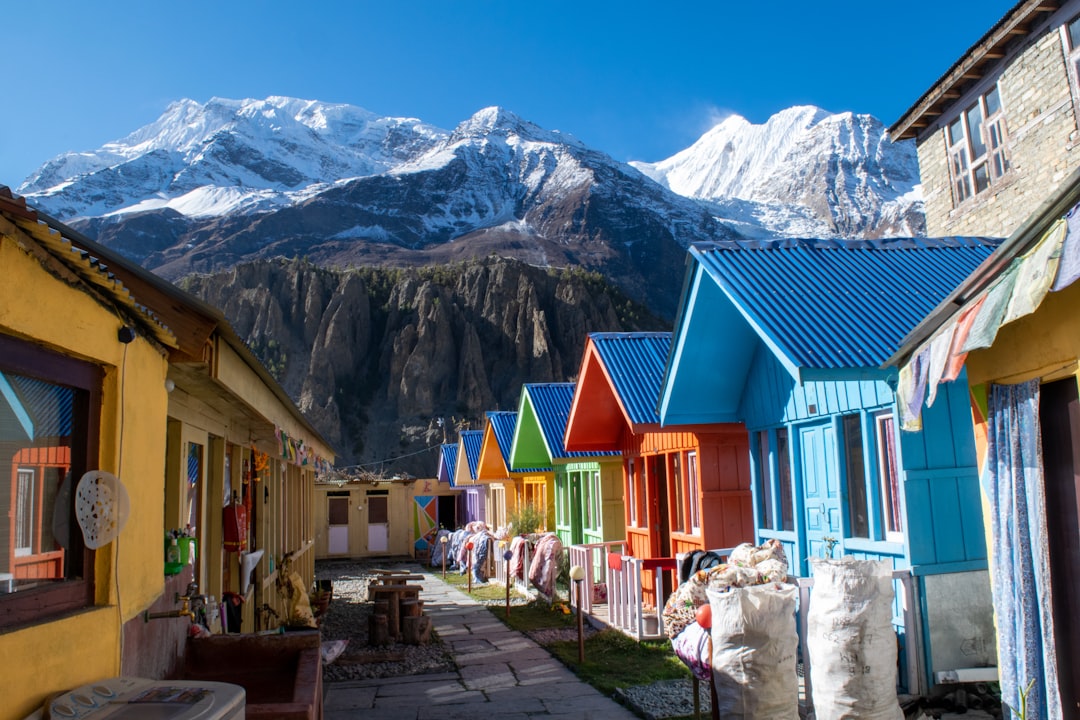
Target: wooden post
[[378, 630], [508, 581], [468, 549], [580, 627]]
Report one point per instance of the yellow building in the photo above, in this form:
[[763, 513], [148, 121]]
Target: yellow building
[[105, 367]]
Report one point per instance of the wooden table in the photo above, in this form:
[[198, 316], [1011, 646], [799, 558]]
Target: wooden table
[[394, 594]]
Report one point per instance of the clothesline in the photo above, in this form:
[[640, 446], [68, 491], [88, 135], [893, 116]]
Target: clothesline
[[1051, 265]]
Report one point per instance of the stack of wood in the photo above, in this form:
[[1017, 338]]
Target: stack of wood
[[399, 611]]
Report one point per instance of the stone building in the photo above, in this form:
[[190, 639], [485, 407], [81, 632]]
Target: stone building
[[999, 131]]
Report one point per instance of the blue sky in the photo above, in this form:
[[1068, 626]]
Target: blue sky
[[637, 79]]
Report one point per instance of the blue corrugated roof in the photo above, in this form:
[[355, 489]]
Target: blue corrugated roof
[[635, 362], [447, 461], [472, 440], [502, 424], [840, 304], [551, 402]]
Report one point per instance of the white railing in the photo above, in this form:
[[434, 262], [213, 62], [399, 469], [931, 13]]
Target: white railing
[[912, 639], [593, 558], [521, 584]]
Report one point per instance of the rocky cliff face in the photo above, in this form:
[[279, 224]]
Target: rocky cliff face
[[375, 357]]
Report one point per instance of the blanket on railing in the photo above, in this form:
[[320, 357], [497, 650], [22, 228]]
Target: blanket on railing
[[545, 564]]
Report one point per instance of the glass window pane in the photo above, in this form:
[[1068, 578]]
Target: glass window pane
[[993, 102], [889, 471], [982, 177], [764, 487], [36, 440], [974, 126], [783, 472], [1074, 33], [631, 491], [855, 478], [692, 478], [956, 132], [680, 495]]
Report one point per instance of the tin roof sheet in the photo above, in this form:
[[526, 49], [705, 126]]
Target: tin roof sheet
[[830, 304], [635, 363], [472, 440], [551, 402]]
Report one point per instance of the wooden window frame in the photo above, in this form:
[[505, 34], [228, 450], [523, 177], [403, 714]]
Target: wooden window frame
[[890, 501], [693, 491], [54, 600], [971, 171]]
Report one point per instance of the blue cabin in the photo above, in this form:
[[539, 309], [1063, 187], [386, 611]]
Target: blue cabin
[[789, 338]]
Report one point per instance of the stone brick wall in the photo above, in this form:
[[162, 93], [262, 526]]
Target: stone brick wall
[[1041, 121]]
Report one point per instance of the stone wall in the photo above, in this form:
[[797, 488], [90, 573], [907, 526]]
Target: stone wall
[[1041, 121]]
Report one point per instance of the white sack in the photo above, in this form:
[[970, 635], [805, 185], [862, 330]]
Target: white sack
[[754, 646], [851, 641]]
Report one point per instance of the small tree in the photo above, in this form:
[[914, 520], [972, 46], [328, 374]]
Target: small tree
[[526, 519]]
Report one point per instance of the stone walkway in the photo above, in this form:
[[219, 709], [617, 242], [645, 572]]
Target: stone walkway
[[501, 673]]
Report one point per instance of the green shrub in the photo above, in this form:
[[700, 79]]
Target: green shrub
[[526, 519]]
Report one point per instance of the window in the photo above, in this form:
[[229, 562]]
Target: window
[[49, 405], [764, 488], [783, 471], [679, 524], [976, 146], [1071, 31], [692, 485], [889, 473], [593, 480], [855, 477], [632, 492]]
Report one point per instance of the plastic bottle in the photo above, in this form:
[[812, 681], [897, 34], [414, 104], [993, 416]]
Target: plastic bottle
[[172, 555]]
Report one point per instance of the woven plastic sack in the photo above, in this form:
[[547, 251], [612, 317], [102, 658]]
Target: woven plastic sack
[[754, 648], [851, 641]]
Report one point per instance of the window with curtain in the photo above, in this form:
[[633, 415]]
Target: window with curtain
[[889, 474], [764, 482]]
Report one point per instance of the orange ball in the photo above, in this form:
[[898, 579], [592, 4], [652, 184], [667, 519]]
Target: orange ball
[[704, 616]]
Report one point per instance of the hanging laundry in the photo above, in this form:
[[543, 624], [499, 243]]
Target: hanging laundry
[[959, 337], [988, 321], [1038, 268], [911, 389], [1069, 265], [939, 358]]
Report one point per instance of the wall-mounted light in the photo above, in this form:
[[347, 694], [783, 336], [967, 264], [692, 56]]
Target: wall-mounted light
[[125, 334]]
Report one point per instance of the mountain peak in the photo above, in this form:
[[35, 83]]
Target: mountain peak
[[496, 121]]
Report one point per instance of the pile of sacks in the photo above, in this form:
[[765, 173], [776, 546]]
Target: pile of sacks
[[747, 565]]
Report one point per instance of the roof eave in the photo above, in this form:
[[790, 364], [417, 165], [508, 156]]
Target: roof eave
[[971, 66]]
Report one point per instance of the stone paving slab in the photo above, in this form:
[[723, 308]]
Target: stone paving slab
[[501, 673]]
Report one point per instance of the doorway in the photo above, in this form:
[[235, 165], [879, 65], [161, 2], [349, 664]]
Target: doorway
[[1059, 418], [337, 512], [378, 509]]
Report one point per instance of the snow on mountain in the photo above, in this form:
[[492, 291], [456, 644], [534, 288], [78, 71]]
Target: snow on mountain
[[228, 156], [803, 172]]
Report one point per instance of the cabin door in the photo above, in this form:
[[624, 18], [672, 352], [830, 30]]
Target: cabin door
[[337, 512], [821, 489], [378, 507]]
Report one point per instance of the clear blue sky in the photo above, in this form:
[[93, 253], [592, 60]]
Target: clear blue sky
[[637, 79]]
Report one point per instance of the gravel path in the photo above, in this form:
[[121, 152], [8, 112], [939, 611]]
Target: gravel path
[[347, 619]]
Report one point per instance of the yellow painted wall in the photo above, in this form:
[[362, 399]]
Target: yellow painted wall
[[1044, 344], [53, 656]]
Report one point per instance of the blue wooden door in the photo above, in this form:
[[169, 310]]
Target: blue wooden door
[[821, 488]]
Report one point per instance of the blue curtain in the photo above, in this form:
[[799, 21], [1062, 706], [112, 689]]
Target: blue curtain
[[1013, 481]]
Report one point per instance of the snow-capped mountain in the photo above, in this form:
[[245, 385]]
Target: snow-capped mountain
[[228, 156], [804, 172], [208, 186]]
